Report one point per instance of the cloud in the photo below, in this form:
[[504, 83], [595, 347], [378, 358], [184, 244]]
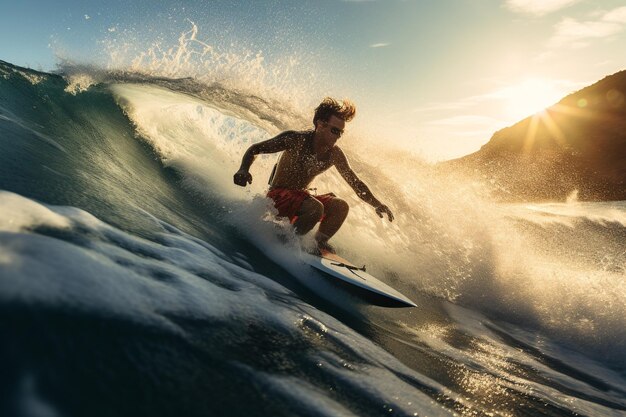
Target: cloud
[[618, 15], [506, 104], [538, 7], [379, 45], [578, 34]]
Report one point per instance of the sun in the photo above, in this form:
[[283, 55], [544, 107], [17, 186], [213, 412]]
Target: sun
[[529, 97]]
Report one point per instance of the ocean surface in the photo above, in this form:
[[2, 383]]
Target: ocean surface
[[137, 280]]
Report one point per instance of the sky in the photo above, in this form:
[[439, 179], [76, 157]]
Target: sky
[[437, 78]]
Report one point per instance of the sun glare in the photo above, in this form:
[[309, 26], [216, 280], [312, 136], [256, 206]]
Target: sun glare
[[529, 97]]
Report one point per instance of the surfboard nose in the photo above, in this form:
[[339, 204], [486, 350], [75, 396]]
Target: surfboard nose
[[357, 280]]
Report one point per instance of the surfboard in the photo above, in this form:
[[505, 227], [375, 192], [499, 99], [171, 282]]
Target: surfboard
[[356, 277]]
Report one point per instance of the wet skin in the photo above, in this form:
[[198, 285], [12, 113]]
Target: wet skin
[[305, 155]]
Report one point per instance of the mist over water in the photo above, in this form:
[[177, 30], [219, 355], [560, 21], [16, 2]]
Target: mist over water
[[126, 172]]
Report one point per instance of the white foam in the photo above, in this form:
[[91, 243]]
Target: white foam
[[109, 278], [205, 144], [201, 142], [446, 240], [79, 83], [92, 268], [32, 77], [18, 214]]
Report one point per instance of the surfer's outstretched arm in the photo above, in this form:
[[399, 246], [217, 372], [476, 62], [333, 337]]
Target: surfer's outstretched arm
[[275, 144], [359, 187]]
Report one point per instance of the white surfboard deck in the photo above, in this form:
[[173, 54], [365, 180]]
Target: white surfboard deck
[[336, 266]]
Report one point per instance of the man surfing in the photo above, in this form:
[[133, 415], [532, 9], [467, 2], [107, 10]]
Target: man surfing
[[305, 155]]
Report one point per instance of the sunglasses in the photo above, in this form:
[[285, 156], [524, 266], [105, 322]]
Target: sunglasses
[[334, 130]]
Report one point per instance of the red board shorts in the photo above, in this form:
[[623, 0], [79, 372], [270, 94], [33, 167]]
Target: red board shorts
[[288, 201]]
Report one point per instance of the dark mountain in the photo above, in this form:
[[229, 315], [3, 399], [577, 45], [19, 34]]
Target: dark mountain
[[577, 145]]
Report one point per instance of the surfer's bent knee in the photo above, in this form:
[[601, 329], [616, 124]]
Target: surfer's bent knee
[[340, 205], [311, 207]]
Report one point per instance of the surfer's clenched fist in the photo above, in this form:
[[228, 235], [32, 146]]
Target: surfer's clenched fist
[[242, 177]]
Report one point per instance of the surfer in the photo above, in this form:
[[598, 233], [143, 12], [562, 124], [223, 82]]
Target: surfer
[[305, 155]]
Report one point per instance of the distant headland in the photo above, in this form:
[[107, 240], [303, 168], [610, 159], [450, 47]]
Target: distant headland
[[575, 147]]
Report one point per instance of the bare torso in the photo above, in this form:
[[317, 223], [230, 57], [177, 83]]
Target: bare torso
[[305, 155], [299, 164]]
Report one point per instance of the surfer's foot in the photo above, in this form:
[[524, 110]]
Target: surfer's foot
[[324, 246]]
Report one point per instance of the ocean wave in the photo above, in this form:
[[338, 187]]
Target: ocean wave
[[128, 215]]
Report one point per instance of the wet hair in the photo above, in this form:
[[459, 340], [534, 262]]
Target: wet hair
[[345, 110]]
